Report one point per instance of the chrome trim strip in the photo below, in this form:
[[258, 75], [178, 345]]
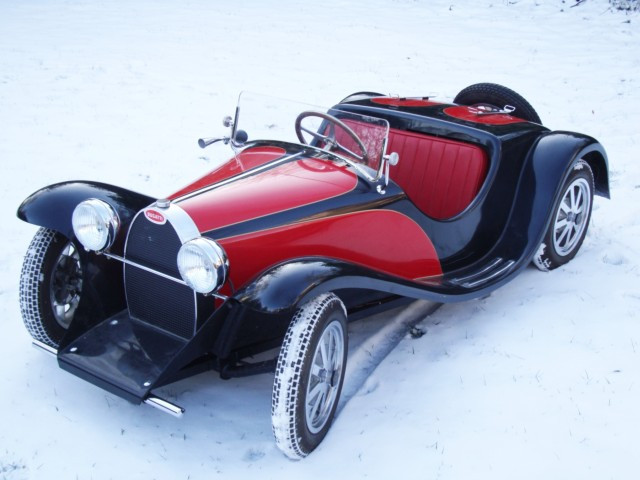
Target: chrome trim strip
[[180, 220], [493, 275], [164, 406], [44, 347], [240, 176], [146, 269], [491, 266], [155, 272]]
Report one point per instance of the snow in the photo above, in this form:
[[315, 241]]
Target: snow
[[539, 380]]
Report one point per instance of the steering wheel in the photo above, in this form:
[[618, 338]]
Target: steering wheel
[[330, 140]]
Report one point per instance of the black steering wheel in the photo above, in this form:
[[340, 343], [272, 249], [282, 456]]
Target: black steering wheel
[[330, 140]]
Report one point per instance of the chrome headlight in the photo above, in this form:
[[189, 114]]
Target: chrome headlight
[[95, 224], [203, 264]]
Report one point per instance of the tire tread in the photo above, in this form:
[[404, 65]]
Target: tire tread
[[31, 279], [288, 374]]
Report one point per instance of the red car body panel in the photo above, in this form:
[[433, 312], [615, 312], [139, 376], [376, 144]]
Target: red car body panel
[[404, 102], [290, 185], [467, 114], [245, 160], [368, 238]]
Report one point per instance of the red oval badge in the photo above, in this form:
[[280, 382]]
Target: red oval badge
[[155, 217]]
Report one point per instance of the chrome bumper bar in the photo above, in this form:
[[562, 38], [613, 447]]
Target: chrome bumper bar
[[44, 347], [164, 406]]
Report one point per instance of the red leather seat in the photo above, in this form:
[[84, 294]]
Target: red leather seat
[[440, 176]]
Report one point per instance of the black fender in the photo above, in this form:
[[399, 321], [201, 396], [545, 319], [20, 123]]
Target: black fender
[[287, 285], [103, 291], [52, 206]]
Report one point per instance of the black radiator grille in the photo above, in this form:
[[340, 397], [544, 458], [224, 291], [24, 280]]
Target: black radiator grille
[[151, 297]]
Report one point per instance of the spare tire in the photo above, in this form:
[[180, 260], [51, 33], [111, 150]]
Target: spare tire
[[360, 96], [497, 96]]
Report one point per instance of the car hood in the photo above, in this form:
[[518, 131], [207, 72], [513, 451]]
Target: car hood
[[274, 187]]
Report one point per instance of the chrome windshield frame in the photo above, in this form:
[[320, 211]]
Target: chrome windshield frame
[[362, 169]]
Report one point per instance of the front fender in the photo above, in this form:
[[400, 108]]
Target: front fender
[[52, 206], [289, 284]]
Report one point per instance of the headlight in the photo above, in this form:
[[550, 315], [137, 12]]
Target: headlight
[[203, 264], [95, 224]]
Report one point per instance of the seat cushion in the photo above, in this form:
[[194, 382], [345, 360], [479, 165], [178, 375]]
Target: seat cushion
[[440, 176]]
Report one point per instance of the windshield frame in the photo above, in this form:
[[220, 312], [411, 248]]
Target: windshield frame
[[364, 170]]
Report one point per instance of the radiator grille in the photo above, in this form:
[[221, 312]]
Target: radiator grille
[[151, 298]]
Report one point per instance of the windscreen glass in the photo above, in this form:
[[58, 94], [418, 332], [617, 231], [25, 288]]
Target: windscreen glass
[[357, 138]]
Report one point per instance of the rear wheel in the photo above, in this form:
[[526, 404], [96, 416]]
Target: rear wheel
[[50, 286], [570, 220], [496, 96], [309, 375]]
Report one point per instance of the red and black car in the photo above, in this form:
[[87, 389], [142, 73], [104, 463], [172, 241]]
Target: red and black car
[[319, 215]]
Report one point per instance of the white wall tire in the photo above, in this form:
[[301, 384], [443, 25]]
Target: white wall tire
[[309, 375], [50, 286]]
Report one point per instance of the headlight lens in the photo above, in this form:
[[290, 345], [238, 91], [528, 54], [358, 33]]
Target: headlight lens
[[95, 224], [203, 264]]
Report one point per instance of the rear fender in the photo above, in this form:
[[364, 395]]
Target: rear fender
[[52, 206]]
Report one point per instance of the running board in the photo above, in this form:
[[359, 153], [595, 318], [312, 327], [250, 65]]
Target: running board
[[153, 401], [494, 269]]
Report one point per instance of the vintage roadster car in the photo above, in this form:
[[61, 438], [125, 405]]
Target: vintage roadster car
[[320, 214]]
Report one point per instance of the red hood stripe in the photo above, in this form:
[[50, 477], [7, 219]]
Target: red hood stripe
[[245, 160], [287, 186]]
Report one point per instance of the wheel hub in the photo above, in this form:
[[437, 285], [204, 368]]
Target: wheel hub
[[66, 285], [328, 377]]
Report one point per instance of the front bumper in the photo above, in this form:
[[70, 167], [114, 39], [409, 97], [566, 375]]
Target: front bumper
[[123, 356]]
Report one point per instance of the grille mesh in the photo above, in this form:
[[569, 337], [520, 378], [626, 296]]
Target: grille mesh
[[152, 298]]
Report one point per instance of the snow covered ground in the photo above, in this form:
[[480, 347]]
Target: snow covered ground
[[539, 380]]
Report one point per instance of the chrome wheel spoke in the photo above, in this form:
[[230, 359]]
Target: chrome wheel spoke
[[561, 224], [565, 232], [323, 353], [316, 393], [578, 204]]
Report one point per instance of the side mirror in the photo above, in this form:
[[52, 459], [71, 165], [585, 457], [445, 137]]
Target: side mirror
[[239, 139]]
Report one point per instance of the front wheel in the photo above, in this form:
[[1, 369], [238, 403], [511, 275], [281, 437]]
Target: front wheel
[[50, 286], [309, 375], [570, 220]]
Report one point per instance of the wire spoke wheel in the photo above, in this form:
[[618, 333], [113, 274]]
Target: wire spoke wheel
[[50, 286], [66, 285]]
